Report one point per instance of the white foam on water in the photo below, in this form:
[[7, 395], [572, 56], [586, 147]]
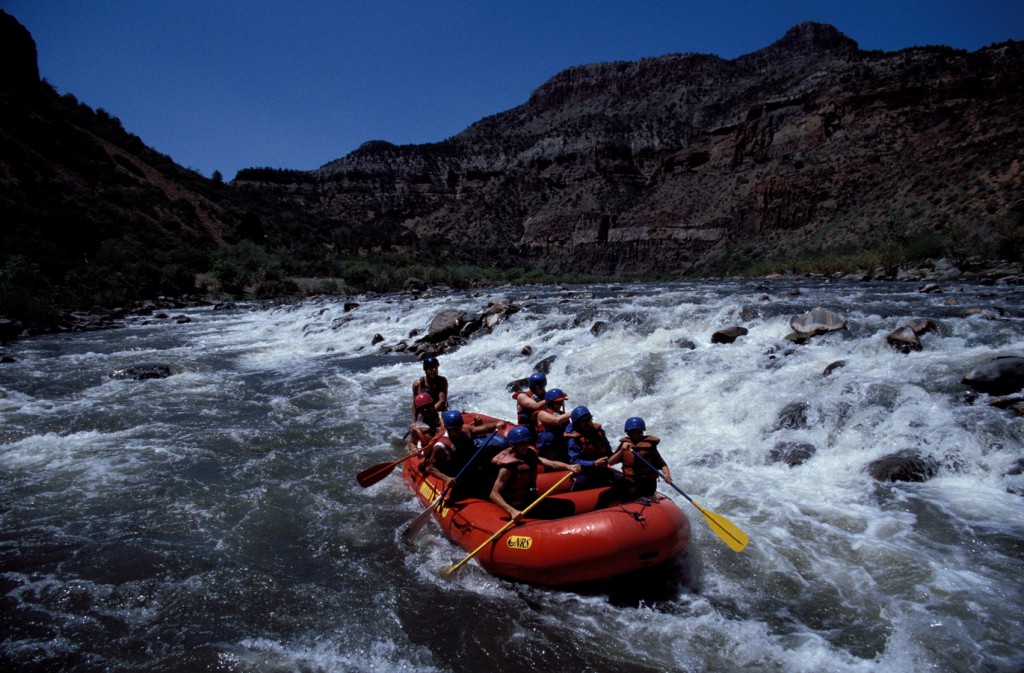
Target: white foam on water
[[255, 441]]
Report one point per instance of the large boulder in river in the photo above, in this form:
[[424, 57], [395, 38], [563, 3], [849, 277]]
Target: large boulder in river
[[817, 321], [448, 322], [728, 334], [453, 327], [903, 466], [999, 376], [904, 340], [497, 312]]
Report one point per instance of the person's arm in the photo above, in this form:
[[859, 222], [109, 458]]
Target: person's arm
[[558, 465], [526, 401], [436, 453], [624, 446], [479, 428], [552, 419], [417, 435], [574, 455], [442, 394], [496, 497], [415, 392], [665, 473]]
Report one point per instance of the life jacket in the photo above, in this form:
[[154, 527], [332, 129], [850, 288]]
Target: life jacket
[[457, 451], [634, 469], [593, 445], [525, 416], [434, 389], [549, 435], [523, 478]]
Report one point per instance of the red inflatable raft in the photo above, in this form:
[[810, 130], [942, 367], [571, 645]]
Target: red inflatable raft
[[588, 545]]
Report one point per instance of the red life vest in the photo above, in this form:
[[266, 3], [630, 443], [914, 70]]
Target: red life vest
[[635, 469], [523, 475]]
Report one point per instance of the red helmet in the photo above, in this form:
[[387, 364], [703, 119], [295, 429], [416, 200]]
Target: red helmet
[[422, 400]]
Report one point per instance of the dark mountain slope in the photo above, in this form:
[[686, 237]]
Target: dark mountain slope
[[90, 214], [679, 163]]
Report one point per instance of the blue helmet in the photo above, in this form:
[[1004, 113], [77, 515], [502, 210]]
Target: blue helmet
[[580, 412], [635, 423], [554, 395], [538, 380], [451, 419], [519, 434], [430, 363]]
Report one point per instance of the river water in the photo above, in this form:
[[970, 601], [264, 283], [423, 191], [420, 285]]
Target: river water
[[210, 521]]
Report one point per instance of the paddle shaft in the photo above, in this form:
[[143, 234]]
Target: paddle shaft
[[723, 528], [511, 523], [416, 524]]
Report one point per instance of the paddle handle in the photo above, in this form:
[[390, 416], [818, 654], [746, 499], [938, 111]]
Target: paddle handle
[[508, 525]]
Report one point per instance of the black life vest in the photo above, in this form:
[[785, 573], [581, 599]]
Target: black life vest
[[434, 389]]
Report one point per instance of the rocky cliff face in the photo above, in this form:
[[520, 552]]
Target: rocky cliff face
[[669, 164]]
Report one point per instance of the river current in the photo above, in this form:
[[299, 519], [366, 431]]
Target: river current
[[211, 521]]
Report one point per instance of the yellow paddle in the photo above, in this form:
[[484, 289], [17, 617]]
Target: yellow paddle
[[452, 569], [722, 527]]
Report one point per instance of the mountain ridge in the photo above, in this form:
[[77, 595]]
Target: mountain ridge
[[673, 166], [681, 157]]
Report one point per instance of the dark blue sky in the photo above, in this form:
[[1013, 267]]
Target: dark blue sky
[[228, 84]]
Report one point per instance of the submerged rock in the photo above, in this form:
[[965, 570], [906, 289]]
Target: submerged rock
[[791, 453], [144, 372], [1014, 403], [792, 416], [838, 364], [998, 376]]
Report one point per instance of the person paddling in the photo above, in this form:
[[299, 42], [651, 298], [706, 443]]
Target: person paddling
[[454, 449], [638, 453], [426, 424], [590, 450], [552, 422], [516, 485], [529, 402]]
